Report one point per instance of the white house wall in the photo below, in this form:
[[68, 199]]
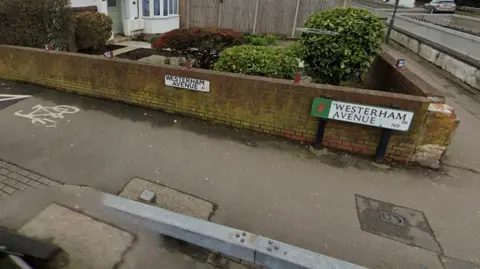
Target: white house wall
[[161, 24]]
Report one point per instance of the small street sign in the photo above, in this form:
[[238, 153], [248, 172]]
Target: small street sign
[[382, 117], [192, 84], [108, 54]]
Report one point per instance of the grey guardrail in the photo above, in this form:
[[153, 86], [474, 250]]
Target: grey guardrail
[[232, 242], [383, 13], [466, 44], [468, 8]]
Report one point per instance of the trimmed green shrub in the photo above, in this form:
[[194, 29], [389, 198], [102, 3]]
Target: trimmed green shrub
[[335, 58], [34, 23], [271, 39], [92, 29], [258, 61], [265, 40], [256, 41], [201, 44], [295, 50]]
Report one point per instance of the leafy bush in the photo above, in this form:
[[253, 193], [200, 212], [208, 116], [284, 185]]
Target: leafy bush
[[259, 61], [295, 50], [265, 40], [92, 29], [271, 39], [201, 44], [256, 41], [335, 58], [154, 38], [34, 23]]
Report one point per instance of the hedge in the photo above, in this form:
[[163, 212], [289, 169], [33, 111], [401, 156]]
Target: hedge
[[34, 23], [332, 59], [92, 29], [259, 61]]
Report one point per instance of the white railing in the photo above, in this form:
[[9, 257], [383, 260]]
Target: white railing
[[383, 12], [462, 23], [463, 43]]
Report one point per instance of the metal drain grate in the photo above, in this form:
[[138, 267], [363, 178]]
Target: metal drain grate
[[396, 222], [392, 218]]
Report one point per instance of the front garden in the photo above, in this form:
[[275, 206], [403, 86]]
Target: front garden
[[338, 49], [339, 57]]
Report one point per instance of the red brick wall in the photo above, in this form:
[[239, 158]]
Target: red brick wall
[[384, 76], [271, 106]]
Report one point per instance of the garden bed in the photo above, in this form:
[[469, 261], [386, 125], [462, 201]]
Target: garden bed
[[144, 52], [110, 47]]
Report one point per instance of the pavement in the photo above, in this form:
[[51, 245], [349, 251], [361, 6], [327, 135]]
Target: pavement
[[94, 236], [131, 45], [262, 184]]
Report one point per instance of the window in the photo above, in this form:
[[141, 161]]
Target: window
[[161, 8], [146, 8], [165, 7], [156, 8]]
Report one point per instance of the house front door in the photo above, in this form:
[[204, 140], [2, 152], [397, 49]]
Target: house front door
[[115, 12]]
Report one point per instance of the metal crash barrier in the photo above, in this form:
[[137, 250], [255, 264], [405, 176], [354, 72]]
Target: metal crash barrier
[[232, 242]]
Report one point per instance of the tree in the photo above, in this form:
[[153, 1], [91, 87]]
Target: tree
[[92, 29], [332, 59], [34, 23]]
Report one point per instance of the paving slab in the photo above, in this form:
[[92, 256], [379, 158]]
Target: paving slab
[[94, 236], [88, 243], [135, 44], [123, 50], [169, 199]]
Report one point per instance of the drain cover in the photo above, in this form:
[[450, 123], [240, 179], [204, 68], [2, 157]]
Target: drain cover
[[395, 222], [392, 218]]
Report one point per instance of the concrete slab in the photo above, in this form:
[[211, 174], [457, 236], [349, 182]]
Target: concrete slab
[[123, 50], [169, 198], [89, 244], [396, 222], [135, 44], [46, 213]]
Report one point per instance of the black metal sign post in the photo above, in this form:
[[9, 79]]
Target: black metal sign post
[[384, 140], [320, 132], [382, 147], [322, 122]]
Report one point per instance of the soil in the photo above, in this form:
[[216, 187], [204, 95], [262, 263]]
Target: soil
[[143, 52], [101, 51]]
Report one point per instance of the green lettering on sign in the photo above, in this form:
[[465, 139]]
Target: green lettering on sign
[[382, 117]]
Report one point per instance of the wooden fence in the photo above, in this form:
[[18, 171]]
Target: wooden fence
[[279, 17]]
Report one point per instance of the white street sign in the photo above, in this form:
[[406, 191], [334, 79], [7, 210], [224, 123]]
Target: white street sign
[[192, 84]]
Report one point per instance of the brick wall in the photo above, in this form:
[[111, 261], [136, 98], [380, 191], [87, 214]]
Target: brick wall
[[384, 76], [270, 106], [437, 133]]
